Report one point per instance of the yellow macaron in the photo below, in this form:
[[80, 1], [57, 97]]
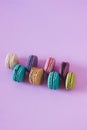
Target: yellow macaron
[[70, 81]]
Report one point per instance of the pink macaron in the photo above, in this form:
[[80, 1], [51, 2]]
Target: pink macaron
[[49, 65]]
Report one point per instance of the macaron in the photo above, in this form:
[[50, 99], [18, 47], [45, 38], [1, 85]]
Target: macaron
[[18, 73], [31, 62], [11, 60], [53, 80], [49, 65], [64, 69], [36, 76], [70, 81]]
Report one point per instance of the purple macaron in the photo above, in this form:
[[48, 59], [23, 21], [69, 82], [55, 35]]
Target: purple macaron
[[31, 62]]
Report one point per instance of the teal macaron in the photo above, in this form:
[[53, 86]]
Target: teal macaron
[[18, 73], [53, 80]]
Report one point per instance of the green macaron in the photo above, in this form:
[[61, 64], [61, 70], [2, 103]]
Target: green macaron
[[53, 80], [18, 73], [70, 80]]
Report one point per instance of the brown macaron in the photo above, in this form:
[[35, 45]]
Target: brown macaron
[[64, 69], [36, 75]]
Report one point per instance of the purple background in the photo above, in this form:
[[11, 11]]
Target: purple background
[[45, 28]]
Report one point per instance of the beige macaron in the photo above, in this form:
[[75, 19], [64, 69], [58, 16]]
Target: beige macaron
[[11, 60]]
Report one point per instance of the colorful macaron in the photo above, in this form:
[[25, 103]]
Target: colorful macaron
[[31, 62], [53, 80], [64, 69], [70, 81], [36, 76], [49, 65], [11, 60], [18, 73]]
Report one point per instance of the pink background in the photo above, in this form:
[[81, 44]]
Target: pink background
[[46, 28]]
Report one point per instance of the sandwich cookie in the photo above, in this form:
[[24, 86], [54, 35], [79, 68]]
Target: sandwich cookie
[[18, 73], [49, 65], [70, 81], [64, 69], [11, 60], [32, 62], [53, 80], [36, 76]]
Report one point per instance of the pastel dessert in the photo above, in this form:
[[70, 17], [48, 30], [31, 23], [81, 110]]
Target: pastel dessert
[[11, 60], [36, 76], [64, 69], [49, 65], [53, 80], [70, 81], [18, 73], [31, 62]]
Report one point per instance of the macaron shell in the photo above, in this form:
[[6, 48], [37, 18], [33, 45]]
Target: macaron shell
[[28, 65], [7, 61], [34, 61], [13, 60], [46, 64], [33, 75], [51, 65], [64, 69], [31, 79], [53, 80], [21, 74], [15, 70], [50, 80], [38, 77], [31, 63], [70, 81], [56, 80]]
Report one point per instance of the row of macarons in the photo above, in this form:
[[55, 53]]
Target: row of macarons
[[36, 74]]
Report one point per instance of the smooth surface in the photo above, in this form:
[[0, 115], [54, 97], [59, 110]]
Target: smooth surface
[[44, 28]]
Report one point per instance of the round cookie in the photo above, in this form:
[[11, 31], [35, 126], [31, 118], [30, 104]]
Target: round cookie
[[49, 65], [53, 80], [31, 62], [11, 60], [70, 81], [36, 75], [18, 73]]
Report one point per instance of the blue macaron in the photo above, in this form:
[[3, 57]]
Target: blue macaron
[[31, 62], [18, 73], [53, 80]]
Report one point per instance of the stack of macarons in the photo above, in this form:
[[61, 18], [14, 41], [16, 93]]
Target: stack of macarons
[[36, 74]]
